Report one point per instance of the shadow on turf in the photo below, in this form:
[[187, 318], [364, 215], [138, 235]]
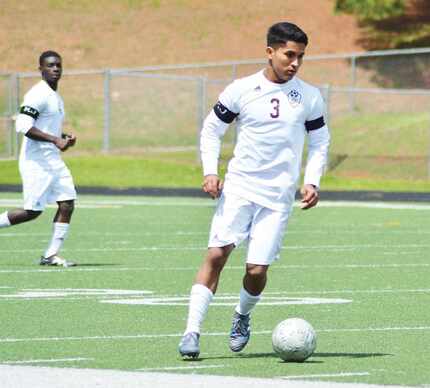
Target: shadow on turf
[[351, 355], [311, 361], [241, 355], [95, 265]]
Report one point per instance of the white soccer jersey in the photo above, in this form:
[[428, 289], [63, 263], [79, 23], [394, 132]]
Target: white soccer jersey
[[42, 108], [273, 120]]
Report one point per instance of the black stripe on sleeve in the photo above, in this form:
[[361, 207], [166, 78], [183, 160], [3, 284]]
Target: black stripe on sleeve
[[311, 125], [29, 111], [224, 114]]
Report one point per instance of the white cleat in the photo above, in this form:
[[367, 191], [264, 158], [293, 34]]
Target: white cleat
[[56, 261]]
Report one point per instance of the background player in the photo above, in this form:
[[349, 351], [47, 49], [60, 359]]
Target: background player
[[45, 176], [274, 110]]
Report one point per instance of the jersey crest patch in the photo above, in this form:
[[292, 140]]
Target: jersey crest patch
[[294, 98]]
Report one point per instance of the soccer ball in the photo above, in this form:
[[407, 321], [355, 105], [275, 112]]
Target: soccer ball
[[294, 339]]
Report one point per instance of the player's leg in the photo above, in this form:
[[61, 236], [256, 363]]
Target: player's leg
[[64, 193], [35, 185], [263, 249], [230, 226], [205, 286], [201, 296], [60, 226], [210, 270], [254, 282], [17, 216]]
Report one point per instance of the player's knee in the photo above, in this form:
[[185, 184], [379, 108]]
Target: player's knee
[[256, 271], [66, 207]]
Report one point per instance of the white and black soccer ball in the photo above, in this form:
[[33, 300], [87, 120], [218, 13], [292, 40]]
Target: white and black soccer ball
[[294, 339]]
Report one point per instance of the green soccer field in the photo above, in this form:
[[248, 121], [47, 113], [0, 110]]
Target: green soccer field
[[359, 273]]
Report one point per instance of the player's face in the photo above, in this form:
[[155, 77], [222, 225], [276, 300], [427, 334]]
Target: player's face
[[51, 69], [285, 61]]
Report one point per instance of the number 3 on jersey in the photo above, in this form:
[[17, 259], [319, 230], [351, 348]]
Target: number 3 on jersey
[[275, 103]]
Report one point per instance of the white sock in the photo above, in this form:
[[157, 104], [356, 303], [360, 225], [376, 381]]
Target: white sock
[[58, 237], [246, 302], [200, 298], [4, 220]]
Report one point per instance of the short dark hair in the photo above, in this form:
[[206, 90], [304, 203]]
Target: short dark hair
[[281, 33], [47, 54]]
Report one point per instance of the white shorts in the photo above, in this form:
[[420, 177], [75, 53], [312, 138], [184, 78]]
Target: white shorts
[[41, 187], [237, 219]]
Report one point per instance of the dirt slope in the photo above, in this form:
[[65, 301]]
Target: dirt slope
[[131, 33]]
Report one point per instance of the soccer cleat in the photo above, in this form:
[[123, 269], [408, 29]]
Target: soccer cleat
[[189, 345], [56, 261], [240, 332]]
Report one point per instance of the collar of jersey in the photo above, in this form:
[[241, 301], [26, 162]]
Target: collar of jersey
[[265, 84]]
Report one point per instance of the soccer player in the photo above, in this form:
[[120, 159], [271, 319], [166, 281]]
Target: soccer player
[[275, 111], [45, 177]]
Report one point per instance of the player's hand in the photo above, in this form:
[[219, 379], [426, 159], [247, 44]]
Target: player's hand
[[71, 138], [212, 185], [310, 196], [61, 144]]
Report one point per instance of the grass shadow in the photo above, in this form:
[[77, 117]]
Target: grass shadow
[[410, 30], [274, 355], [351, 355], [79, 265]]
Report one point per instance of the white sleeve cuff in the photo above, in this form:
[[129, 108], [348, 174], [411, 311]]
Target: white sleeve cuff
[[210, 166]]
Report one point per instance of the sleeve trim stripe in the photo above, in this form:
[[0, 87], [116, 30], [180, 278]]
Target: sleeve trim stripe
[[311, 125], [224, 114], [29, 111]]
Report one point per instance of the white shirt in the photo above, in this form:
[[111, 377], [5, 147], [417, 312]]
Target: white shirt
[[273, 120], [42, 108]]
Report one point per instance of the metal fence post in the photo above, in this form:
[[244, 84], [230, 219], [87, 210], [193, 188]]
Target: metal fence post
[[15, 110], [353, 82], [234, 71], [10, 115], [428, 161], [107, 111], [327, 96], [201, 109]]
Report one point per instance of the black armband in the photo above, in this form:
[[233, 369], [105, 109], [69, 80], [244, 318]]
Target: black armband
[[29, 111], [224, 114], [311, 125]]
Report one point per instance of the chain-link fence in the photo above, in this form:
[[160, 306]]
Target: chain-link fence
[[377, 107]]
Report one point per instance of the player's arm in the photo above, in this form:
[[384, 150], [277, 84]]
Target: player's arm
[[25, 124], [214, 128], [318, 144]]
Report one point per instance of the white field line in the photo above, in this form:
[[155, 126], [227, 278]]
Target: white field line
[[179, 335], [44, 377], [122, 234], [221, 295], [153, 299], [374, 205], [16, 203], [190, 367], [50, 360], [349, 247], [240, 268], [315, 376], [367, 231], [198, 202], [120, 202]]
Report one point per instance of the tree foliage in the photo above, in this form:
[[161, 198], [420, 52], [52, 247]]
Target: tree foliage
[[371, 9]]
